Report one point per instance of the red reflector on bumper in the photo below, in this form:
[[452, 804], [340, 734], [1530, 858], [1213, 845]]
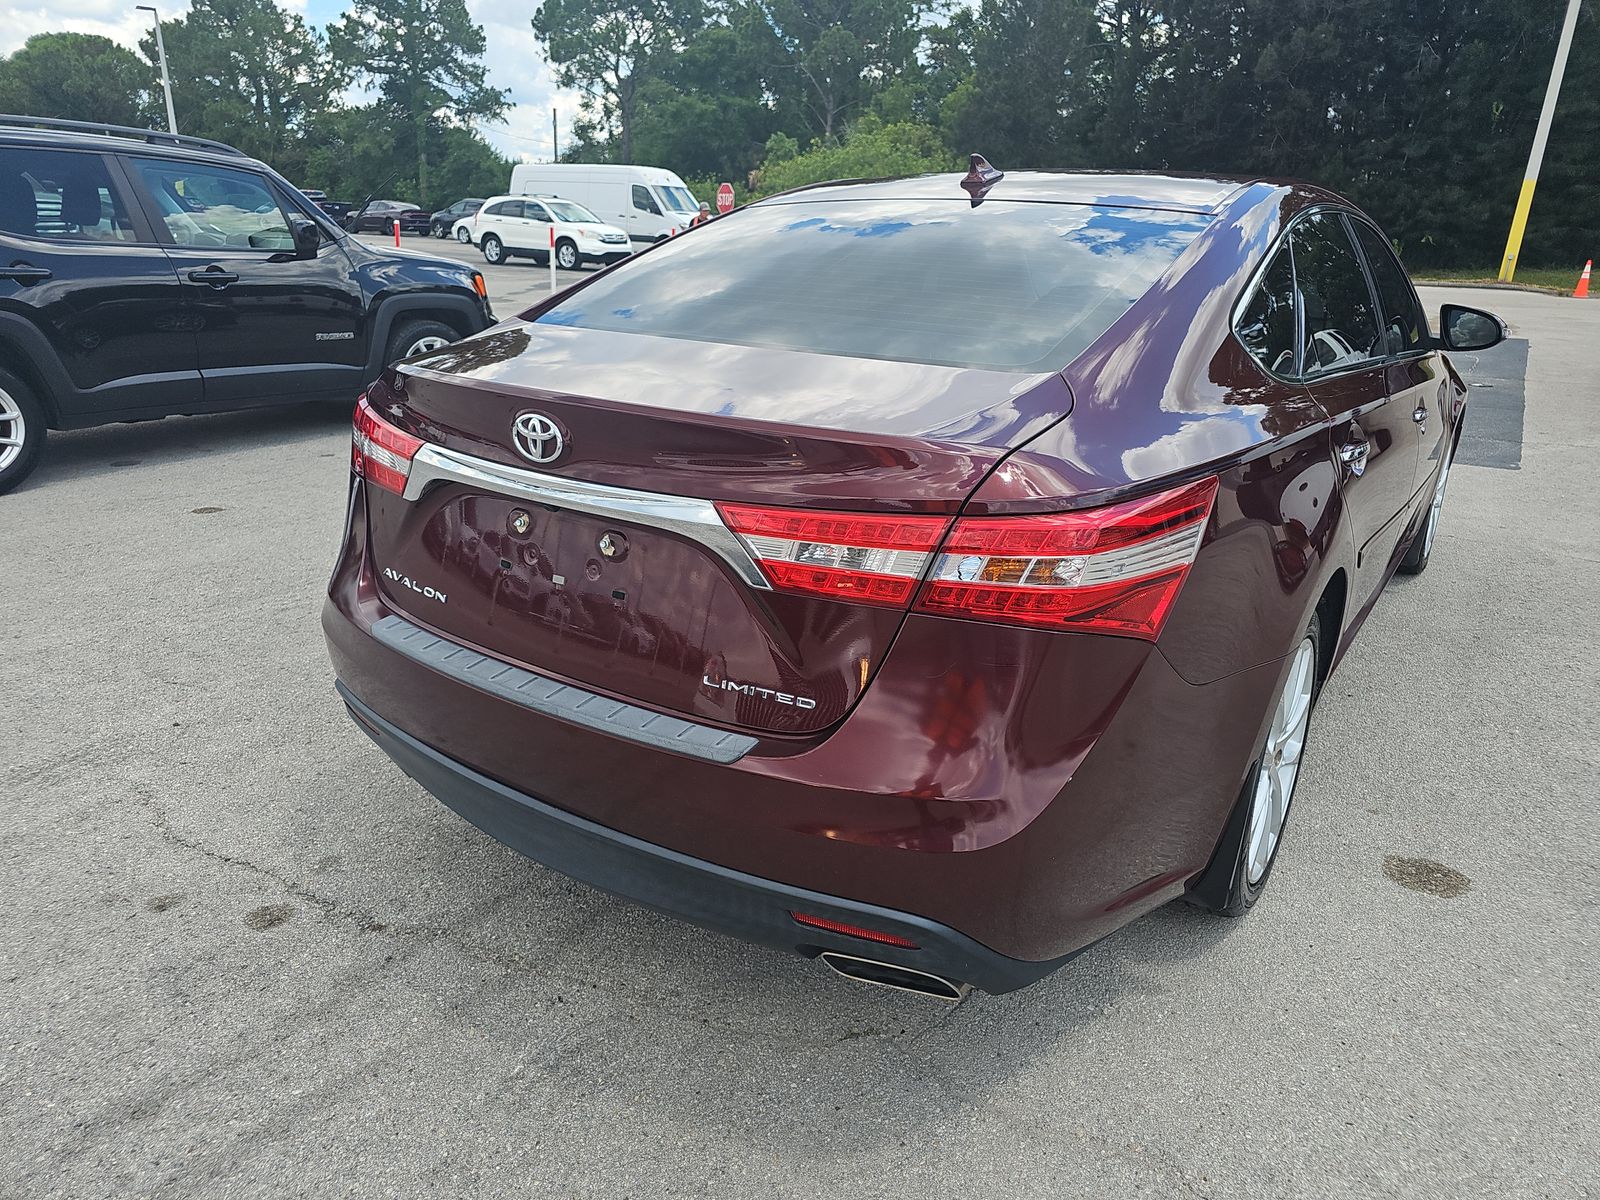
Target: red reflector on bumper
[[871, 935]]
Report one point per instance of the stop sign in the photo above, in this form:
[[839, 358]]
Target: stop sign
[[725, 198]]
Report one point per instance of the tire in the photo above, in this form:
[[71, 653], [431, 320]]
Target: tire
[[567, 256], [438, 230], [1249, 846], [22, 431], [417, 337], [464, 236], [1416, 560], [494, 251]]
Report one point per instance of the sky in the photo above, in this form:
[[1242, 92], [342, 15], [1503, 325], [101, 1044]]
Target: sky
[[514, 58]]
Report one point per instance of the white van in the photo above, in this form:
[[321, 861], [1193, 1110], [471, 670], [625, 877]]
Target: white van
[[647, 203]]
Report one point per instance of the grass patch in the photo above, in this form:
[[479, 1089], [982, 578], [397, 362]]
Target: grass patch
[[1553, 279]]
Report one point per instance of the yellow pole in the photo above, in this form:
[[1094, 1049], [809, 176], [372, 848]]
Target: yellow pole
[[1530, 177]]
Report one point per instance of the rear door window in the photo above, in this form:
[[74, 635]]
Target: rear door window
[[1007, 286], [1341, 328], [1266, 326], [213, 207], [1404, 328], [61, 196]]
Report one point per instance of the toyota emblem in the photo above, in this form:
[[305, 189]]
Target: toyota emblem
[[537, 438]]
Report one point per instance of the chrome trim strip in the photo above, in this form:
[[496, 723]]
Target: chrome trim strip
[[690, 518], [564, 701]]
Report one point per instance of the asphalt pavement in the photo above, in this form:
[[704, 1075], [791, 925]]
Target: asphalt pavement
[[242, 955]]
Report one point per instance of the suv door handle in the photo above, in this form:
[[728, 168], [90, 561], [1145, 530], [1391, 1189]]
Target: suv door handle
[[1419, 414], [214, 276], [22, 273]]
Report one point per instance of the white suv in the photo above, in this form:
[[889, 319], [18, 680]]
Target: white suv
[[511, 225]]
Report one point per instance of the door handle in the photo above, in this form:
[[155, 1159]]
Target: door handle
[[1354, 455], [1419, 414], [22, 273], [214, 276]]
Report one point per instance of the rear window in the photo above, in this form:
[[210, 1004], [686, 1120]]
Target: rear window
[[1011, 287]]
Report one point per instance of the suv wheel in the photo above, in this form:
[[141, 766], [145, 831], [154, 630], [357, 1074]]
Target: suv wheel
[[22, 431], [493, 252], [464, 235], [438, 230], [567, 257], [418, 337]]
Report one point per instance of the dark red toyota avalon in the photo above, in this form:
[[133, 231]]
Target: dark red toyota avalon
[[929, 575]]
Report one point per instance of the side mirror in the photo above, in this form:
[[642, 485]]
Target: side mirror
[[307, 237], [1462, 328]]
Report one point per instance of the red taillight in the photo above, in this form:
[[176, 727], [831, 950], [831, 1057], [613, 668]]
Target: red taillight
[[1116, 569], [858, 931], [379, 452], [863, 558]]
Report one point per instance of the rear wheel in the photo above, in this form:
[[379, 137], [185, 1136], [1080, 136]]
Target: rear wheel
[[1250, 845], [1416, 559], [463, 235], [438, 230], [567, 257], [418, 337], [22, 431], [494, 252]]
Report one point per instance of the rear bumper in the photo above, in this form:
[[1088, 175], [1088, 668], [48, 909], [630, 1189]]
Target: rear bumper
[[704, 893], [1026, 793]]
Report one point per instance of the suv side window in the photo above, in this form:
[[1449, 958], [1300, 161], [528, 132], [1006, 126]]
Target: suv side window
[[207, 206], [1266, 326], [505, 208], [1341, 330], [61, 196], [643, 200], [1404, 328], [535, 212]]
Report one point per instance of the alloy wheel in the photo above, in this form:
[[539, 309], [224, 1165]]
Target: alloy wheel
[[13, 430], [424, 344], [463, 236], [566, 256], [1437, 506], [1280, 762]]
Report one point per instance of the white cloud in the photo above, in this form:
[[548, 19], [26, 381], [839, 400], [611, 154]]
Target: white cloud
[[514, 58]]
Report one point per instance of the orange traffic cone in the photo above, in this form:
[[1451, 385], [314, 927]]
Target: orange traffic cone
[[1582, 289]]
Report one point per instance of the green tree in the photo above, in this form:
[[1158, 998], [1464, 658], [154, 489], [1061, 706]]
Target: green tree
[[833, 56], [1031, 97], [426, 58], [250, 73], [77, 77], [870, 149], [351, 154], [611, 50]]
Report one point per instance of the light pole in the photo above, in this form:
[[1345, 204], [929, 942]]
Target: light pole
[[1530, 177], [166, 80]]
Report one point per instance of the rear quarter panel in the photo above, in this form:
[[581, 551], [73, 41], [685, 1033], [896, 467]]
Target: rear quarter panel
[[1169, 394]]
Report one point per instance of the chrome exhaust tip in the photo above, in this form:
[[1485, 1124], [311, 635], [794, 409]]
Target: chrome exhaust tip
[[894, 976]]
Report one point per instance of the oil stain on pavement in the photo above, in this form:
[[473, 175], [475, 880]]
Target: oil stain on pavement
[[1426, 876], [269, 916]]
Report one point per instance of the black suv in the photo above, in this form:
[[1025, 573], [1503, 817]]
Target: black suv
[[145, 274]]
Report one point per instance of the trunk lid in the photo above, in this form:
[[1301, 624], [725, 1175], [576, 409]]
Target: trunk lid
[[657, 615]]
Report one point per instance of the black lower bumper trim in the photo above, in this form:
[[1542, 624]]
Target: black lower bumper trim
[[715, 897]]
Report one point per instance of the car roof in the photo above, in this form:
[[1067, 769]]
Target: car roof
[[1204, 194], [72, 135]]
